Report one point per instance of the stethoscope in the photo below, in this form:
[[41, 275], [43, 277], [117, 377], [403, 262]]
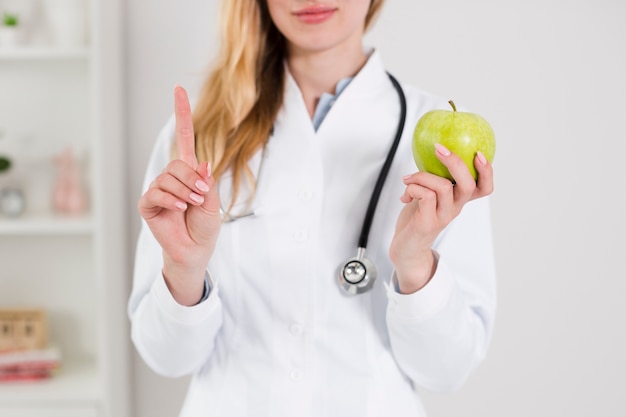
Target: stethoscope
[[357, 275]]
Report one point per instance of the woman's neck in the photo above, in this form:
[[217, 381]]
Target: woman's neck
[[318, 72]]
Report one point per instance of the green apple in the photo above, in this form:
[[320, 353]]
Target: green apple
[[463, 133]]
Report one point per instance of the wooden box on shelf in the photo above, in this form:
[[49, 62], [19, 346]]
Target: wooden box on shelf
[[23, 329]]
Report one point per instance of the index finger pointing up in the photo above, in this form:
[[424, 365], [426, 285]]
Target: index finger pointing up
[[185, 141]]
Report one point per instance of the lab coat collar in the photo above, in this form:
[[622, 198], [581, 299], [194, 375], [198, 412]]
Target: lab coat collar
[[368, 80]]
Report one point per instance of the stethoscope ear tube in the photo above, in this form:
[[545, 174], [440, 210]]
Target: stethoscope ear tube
[[358, 274]]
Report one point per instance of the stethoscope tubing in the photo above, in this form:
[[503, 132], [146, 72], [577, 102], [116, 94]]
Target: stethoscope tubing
[[357, 275], [384, 172]]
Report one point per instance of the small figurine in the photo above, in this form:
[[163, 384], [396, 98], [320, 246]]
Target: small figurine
[[69, 194], [12, 202]]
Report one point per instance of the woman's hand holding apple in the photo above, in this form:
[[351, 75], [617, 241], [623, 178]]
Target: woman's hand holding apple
[[432, 202]]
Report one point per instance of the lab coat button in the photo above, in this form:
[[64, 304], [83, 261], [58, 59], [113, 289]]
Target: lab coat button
[[296, 374], [305, 195], [300, 236], [296, 329]]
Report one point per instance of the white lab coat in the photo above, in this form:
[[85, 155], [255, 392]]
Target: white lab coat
[[277, 337]]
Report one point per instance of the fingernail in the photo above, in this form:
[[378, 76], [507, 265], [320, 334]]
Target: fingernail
[[406, 177], [481, 158], [202, 186], [442, 149], [180, 205], [197, 198], [208, 170]]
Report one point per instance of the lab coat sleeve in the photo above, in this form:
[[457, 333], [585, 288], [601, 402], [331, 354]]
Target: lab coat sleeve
[[441, 333], [172, 339]]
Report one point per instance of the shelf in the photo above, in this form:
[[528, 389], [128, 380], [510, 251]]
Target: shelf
[[42, 53], [46, 224], [73, 382], [72, 266]]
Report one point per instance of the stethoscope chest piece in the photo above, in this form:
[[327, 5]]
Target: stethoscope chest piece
[[358, 274]]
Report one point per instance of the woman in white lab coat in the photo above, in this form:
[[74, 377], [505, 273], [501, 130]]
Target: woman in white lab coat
[[245, 227]]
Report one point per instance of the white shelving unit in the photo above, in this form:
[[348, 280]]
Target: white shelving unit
[[46, 225], [74, 267], [43, 53]]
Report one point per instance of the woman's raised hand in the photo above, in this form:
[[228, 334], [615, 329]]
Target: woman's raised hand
[[432, 202], [181, 207]]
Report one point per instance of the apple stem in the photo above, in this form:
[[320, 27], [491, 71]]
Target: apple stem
[[452, 104]]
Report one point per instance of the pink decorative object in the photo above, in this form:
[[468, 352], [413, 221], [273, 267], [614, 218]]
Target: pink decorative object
[[69, 194]]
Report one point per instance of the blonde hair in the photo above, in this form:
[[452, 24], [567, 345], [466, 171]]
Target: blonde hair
[[240, 100]]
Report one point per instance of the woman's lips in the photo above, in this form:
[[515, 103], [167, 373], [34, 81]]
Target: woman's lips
[[315, 14]]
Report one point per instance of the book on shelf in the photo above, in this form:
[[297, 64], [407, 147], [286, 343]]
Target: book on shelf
[[24, 351], [29, 365]]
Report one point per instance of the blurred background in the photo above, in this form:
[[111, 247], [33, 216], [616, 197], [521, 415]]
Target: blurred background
[[549, 76]]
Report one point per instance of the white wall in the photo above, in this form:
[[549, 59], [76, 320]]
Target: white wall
[[549, 76], [168, 42]]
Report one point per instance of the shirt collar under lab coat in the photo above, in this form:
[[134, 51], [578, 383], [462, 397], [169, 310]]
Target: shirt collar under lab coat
[[368, 80]]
